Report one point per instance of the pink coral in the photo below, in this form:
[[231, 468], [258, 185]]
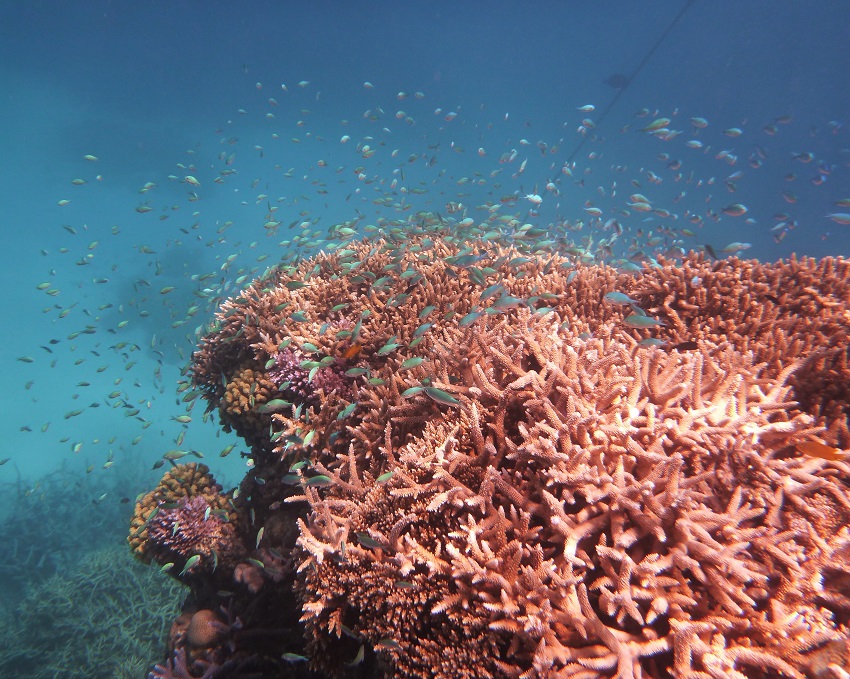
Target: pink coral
[[295, 381], [191, 528]]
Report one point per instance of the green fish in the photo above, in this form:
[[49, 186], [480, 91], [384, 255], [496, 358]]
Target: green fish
[[369, 542], [346, 411], [412, 362], [273, 406], [637, 321], [440, 396], [294, 657], [191, 563]]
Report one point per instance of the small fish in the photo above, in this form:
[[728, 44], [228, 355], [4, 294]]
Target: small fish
[[183, 419], [619, 298], [346, 411], [294, 657], [656, 124], [735, 209], [440, 396], [412, 362], [273, 406], [470, 318], [840, 217], [369, 542], [821, 450], [638, 321], [191, 563], [389, 347], [319, 480], [174, 455], [736, 247]]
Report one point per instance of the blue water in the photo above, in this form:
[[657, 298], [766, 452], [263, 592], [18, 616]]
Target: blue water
[[153, 89]]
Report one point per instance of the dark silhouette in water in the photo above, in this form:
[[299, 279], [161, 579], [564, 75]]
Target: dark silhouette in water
[[620, 82], [617, 80]]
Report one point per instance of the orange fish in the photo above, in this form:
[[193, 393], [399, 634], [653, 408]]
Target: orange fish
[[821, 450], [352, 351]]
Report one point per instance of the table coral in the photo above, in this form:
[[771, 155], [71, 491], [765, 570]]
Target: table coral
[[504, 478]]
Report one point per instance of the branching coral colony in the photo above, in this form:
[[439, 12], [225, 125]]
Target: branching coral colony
[[467, 465]]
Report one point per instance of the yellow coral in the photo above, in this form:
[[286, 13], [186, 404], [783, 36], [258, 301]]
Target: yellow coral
[[246, 390]]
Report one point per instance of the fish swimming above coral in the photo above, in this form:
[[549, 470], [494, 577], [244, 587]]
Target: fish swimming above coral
[[534, 490]]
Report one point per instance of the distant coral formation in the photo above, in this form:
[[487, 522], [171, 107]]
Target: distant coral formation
[[471, 460], [99, 619]]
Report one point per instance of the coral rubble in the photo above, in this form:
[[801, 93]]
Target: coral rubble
[[466, 464]]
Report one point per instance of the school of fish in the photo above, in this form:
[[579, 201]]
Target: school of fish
[[129, 300]]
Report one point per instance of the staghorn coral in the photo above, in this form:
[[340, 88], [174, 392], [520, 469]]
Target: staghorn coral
[[593, 507], [509, 483]]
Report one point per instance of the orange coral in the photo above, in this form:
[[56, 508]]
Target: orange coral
[[206, 629]]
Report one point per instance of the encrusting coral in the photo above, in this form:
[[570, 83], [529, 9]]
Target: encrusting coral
[[475, 460]]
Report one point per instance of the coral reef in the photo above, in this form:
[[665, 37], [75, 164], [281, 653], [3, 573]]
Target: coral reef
[[589, 505], [477, 460], [49, 523]]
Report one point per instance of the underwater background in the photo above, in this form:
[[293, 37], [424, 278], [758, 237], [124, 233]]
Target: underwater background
[[156, 156]]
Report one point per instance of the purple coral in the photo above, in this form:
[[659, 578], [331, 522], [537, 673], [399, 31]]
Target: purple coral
[[294, 380], [177, 667], [191, 528]]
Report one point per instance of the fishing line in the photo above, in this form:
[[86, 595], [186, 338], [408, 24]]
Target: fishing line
[[639, 68]]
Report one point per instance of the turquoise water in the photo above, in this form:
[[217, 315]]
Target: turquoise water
[[156, 155]]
